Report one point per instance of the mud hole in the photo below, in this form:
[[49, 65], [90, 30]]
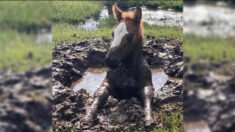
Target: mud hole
[[209, 95], [70, 63], [25, 101]]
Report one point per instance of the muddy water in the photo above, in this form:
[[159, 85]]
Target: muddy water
[[44, 37], [209, 19], [94, 77], [161, 17], [196, 126], [150, 16], [93, 23]]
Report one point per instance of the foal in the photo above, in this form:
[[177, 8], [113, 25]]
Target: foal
[[129, 74]]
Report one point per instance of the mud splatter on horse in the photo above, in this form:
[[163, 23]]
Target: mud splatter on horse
[[129, 74]]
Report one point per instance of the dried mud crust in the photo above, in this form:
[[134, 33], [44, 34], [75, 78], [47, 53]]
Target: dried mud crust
[[209, 94], [25, 101], [70, 62]]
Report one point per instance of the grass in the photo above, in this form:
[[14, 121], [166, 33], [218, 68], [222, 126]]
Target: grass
[[75, 11], [19, 51], [171, 121], [165, 4], [26, 15], [68, 33], [210, 49]]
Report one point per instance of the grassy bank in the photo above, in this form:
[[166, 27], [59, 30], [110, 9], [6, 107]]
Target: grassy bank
[[75, 11], [209, 48], [19, 51], [68, 33], [19, 22], [25, 16]]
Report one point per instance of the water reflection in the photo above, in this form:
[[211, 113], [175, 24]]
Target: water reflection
[[91, 23], [94, 77], [44, 37]]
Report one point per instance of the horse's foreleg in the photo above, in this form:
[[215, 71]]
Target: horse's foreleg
[[146, 96], [100, 97]]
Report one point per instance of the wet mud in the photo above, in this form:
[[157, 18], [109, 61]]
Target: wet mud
[[70, 63], [209, 95], [26, 101]]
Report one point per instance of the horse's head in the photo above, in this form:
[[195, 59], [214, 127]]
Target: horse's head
[[127, 36]]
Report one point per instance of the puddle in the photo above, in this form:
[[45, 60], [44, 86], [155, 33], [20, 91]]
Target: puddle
[[158, 17], [161, 17], [196, 126], [44, 37], [159, 78], [94, 77], [212, 19], [91, 23]]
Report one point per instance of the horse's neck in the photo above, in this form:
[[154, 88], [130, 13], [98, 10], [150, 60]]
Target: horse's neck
[[135, 58]]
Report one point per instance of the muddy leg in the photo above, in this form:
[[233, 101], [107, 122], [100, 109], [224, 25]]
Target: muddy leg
[[146, 96], [100, 97]]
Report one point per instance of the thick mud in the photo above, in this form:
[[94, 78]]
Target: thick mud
[[209, 95], [70, 62], [26, 101]]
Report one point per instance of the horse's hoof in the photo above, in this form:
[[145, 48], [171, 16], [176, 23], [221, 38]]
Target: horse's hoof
[[149, 123]]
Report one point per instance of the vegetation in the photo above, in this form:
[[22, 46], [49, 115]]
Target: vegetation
[[68, 33], [20, 21], [171, 121], [213, 48], [19, 51], [25, 16], [74, 11], [164, 4]]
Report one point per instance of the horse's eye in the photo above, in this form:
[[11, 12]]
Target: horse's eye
[[129, 38]]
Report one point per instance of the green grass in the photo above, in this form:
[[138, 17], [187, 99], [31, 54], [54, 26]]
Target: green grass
[[15, 48], [68, 33], [165, 4], [210, 49], [75, 11], [26, 15], [172, 122]]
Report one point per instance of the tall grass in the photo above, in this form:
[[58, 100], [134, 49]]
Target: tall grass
[[75, 11], [25, 16], [164, 4], [210, 49], [19, 51]]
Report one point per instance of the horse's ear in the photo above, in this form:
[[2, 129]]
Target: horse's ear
[[117, 13], [137, 15]]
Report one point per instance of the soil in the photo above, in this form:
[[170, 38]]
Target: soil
[[70, 61], [26, 101]]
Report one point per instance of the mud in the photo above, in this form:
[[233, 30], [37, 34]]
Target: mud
[[70, 61], [25, 101], [209, 95]]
